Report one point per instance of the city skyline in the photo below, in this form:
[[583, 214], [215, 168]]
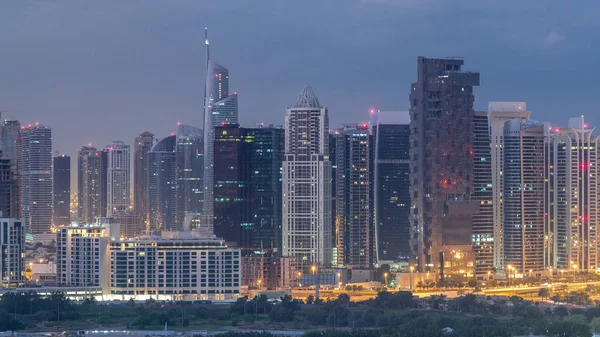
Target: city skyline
[[103, 78]]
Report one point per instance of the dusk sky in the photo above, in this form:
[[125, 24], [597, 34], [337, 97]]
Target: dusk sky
[[97, 71]]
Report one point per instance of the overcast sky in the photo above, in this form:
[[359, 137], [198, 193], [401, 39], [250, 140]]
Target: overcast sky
[[103, 70]]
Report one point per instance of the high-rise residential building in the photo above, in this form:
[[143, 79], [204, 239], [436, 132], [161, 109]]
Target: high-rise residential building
[[230, 191], [82, 255], [141, 170], [12, 251], [391, 186], [306, 230], [118, 186], [10, 143], [162, 185], [190, 169], [572, 233], [262, 150], [499, 113], [442, 167], [62, 190], [354, 243], [219, 107], [36, 178], [524, 195], [91, 183]]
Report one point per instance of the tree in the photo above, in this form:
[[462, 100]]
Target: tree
[[343, 299], [544, 293], [310, 299], [568, 328], [561, 311]]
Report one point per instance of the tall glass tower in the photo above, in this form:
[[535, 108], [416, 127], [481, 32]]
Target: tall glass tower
[[118, 178], [219, 107]]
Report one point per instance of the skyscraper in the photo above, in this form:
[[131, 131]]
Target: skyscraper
[[162, 185], [354, 244], [10, 138], [524, 195], [12, 252], [442, 167], [36, 178], [91, 183], [10, 144], [262, 150], [190, 169], [143, 145], [574, 218], [307, 183], [62, 190], [499, 114], [392, 183], [219, 107], [118, 178]]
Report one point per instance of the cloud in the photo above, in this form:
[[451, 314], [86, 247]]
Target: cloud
[[553, 38]]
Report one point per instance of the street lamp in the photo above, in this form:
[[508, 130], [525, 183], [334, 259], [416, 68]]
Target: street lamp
[[259, 281], [313, 268], [299, 278], [385, 278], [510, 268], [339, 277], [412, 269]]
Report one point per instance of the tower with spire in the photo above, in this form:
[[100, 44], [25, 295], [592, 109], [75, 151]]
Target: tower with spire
[[307, 183], [220, 107]]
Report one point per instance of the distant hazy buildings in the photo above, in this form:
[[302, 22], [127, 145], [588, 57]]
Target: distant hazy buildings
[[141, 175], [219, 107], [307, 183], [442, 167], [62, 190], [499, 113], [36, 178], [118, 178], [12, 251], [392, 183], [162, 188], [91, 183]]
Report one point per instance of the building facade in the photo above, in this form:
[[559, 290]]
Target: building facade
[[524, 195], [141, 176], [574, 188], [36, 178], [499, 113], [62, 190], [190, 174], [12, 250], [91, 183], [176, 268], [307, 221], [118, 179], [10, 143], [442, 167], [162, 188], [391, 186]]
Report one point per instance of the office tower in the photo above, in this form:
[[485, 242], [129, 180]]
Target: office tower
[[143, 145], [524, 195], [442, 167], [219, 107], [176, 267], [230, 191], [499, 113], [190, 169], [262, 152], [391, 186], [162, 185], [36, 178], [10, 138], [307, 183], [118, 178], [91, 183], [12, 251], [354, 244], [82, 256], [482, 193], [574, 188], [10, 144], [62, 190]]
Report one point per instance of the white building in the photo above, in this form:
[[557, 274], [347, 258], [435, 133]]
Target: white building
[[573, 229], [82, 256], [118, 178], [12, 247], [174, 267], [307, 183], [499, 114]]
